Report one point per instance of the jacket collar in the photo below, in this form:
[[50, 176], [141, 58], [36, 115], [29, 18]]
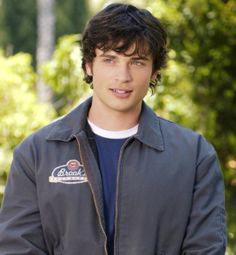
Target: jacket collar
[[66, 128], [149, 131]]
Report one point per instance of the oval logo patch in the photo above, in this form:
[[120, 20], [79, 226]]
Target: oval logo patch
[[70, 173]]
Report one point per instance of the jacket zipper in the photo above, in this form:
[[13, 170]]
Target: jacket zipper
[[117, 191], [93, 194]]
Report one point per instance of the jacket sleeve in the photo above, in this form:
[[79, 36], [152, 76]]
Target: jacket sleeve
[[206, 230], [20, 225]]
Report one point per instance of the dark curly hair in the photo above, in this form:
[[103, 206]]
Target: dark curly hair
[[117, 27]]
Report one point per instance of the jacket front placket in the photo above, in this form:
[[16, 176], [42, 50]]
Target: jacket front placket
[[94, 179]]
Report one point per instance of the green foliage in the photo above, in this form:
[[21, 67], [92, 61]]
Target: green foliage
[[18, 26], [203, 39], [20, 112], [18, 22], [71, 16], [172, 99], [64, 75]]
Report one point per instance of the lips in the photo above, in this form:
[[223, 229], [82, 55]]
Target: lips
[[122, 93]]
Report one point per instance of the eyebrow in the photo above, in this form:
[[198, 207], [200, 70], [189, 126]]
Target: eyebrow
[[104, 55], [140, 58]]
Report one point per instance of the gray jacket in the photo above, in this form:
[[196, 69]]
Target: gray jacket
[[169, 201]]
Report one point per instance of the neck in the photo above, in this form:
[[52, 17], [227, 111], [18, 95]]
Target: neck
[[113, 120]]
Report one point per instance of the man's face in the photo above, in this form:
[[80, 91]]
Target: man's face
[[120, 82]]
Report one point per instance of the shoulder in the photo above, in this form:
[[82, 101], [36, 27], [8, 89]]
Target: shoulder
[[62, 129], [174, 130], [170, 136], [35, 140], [185, 139]]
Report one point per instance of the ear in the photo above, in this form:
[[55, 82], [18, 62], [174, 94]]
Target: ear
[[89, 69], [155, 75]]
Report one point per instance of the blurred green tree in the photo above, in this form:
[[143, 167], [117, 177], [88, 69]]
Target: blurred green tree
[[71, 16], [18, 22], [63, 73], [18, 26], [20, 113]]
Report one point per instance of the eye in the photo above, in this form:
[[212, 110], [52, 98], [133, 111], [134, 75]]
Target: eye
[[108, 60], [138, 62]]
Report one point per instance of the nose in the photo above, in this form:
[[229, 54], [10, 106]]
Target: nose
[[123, 73]]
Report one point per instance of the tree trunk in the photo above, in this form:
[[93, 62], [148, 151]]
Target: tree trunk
[[45, 43]]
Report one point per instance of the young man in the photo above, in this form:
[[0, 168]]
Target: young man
[[111, 177]]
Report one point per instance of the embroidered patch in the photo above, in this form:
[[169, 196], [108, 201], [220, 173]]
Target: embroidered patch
[[71, 173]]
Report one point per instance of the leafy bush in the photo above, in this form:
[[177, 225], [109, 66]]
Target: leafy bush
[[63, 73], [20, 112]]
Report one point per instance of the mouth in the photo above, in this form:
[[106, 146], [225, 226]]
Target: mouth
[[122, 93]]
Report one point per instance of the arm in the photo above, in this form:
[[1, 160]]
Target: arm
[[206, 230], [20, 225]]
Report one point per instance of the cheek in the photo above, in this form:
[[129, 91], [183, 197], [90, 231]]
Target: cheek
[[101, 78], [101, 73], [143, 77]]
